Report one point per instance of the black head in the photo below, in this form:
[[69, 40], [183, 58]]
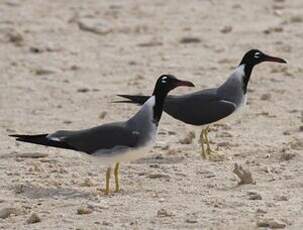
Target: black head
[[254, 57], [164, 84], [168, 82]]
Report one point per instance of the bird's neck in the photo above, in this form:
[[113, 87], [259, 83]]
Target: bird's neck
[[158, 107], [246, 77]]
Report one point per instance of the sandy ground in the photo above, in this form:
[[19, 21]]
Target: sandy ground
[[62, 62]]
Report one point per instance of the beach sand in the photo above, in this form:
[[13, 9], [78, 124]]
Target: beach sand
[[62, 64]]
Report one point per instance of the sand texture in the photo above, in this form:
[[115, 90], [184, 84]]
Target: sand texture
[[63, 62]]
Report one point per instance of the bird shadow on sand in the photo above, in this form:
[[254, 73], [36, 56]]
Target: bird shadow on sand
[[159, 159], [33, 191]]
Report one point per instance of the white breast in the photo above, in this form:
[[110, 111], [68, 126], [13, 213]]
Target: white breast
[[142, 123], [121, 154]]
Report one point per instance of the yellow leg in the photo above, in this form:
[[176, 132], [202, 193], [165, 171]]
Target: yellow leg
[[211, 155], [203, 153], [116, 173], [107, 178], [208, 149]]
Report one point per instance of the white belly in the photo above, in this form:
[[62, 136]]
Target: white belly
[[121, 154], [237, 113]]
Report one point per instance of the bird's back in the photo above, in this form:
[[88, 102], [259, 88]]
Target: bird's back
[[199, 108], [105, 136]]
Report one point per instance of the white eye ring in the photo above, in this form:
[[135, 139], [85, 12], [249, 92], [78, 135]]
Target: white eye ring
[[163, 79], [257, 55]]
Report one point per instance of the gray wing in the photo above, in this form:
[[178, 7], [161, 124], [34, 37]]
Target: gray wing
[[199, 108], [105, 136]]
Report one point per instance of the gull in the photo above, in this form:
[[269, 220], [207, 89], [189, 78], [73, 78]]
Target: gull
[[208, 106], [119, 141]]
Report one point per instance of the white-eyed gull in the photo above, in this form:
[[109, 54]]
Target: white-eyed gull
[[119, 141], [210, 105]]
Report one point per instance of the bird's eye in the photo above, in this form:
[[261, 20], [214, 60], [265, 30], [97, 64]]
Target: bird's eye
[[163, 80], [257, 55]]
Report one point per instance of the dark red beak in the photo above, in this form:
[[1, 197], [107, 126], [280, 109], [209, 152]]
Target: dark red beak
[[274, 59], [184, 83]]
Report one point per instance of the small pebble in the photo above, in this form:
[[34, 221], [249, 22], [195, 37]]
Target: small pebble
[[161, 200], [188, 139], [150, 44], [44, 71], [187, 40], [296, 19], [244, 175], [266, 97], [267, 156], [15, 37], [226, 29], [106, 223], [172, 152], [277, 29], [83, 90], [261, 211], [36, 50], [158, 175], [271, 223], [87, 183], [95, 26], [19, 188], [84, 211], [286, 133], [286, 156], [74, 68], [191, 221], [254, 196], [103, 115], [296, 144], [281, 198], [172, 133], [34, 218], [132, 63], [164, 213]]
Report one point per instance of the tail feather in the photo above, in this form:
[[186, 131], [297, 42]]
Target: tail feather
[[41, 139], [123, 101], [135, 99]]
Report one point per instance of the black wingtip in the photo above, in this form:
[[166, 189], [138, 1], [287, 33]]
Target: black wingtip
[[123, 101], [129, 97], [133, 99], [117, 102], [27, 136], [41, 139], [17, 136]]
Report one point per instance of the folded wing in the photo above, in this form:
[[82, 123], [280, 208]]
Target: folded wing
[[199, 108], [106, 136]]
